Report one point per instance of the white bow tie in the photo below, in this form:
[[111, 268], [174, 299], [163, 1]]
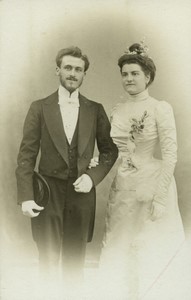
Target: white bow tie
[[70, 101]]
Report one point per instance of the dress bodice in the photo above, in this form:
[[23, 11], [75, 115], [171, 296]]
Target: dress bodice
[[137, 125]]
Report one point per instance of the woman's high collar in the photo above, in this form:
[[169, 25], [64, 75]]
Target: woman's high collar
[[138, 97]]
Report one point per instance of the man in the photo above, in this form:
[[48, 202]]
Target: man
[[64, 128]]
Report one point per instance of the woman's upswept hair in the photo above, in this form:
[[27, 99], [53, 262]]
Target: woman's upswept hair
[[137, 54], [72, 51]]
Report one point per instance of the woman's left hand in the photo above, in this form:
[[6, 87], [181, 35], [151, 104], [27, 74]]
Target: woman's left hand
[[94, 162], [157, 210]]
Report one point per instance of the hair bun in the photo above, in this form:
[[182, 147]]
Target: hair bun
[[136, 48]]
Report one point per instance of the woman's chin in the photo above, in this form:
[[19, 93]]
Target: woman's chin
[[130, 92]]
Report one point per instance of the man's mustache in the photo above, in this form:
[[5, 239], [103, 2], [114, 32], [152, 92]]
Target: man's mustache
[[72, 78]]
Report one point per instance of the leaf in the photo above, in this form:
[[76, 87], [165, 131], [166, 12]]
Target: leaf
[[134, 120]]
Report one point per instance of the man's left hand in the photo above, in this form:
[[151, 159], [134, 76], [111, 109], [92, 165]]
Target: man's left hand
[[83, 184]]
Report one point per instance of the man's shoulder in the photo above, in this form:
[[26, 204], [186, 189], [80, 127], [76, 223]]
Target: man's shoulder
[[36, 107], [46, 100], [89, 101]]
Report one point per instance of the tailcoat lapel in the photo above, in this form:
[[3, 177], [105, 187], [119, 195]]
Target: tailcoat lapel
[[86, 121], [53, 119]]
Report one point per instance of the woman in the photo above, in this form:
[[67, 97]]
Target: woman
[[143, 224]]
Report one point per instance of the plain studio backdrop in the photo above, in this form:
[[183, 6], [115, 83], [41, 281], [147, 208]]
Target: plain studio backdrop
[[32, 32]]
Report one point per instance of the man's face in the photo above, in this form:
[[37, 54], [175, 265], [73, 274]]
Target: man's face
[[71, 72]]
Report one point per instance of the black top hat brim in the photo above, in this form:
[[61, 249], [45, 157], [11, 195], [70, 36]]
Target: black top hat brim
[[41, 189]]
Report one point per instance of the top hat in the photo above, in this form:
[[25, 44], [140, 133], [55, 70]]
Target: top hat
[[41, 190]]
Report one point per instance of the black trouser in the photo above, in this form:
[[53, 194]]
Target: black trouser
[[61, 230]]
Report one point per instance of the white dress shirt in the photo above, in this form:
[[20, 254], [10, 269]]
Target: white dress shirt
[[69, 107]]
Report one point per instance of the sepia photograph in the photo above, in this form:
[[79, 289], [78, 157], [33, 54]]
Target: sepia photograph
[[95, 150]]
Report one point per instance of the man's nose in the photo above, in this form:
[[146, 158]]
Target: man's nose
[[72, 72]]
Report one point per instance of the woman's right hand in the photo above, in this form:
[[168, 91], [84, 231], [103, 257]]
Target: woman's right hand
[[94, 162]]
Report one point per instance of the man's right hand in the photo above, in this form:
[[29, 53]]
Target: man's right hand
[[28, 208]]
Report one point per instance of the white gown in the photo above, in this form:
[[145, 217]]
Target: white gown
[[137, 249]]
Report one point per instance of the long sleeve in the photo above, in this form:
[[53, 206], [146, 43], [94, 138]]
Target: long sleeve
[[168, 144], [28, 154]]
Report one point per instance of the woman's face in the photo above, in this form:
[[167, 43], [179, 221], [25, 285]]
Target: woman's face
[[134, 79]]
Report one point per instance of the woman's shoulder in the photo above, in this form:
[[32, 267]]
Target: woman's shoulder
[[116, 109], [162, 110], [161, 105]]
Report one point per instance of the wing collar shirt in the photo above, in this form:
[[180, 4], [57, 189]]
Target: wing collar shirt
[[69, 107]]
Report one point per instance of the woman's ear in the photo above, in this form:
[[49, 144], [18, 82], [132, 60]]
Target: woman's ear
[[148, 77], [147, 80]]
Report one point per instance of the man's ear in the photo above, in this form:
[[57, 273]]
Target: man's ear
[[57, 70]]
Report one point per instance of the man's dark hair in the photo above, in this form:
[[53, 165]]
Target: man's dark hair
[[72, 51]]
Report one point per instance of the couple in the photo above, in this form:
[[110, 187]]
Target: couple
[[143, 223]]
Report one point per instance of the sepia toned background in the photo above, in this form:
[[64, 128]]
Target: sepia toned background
[[31, 35]]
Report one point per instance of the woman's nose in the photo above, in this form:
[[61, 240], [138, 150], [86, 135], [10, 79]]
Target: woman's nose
[[129, 77]]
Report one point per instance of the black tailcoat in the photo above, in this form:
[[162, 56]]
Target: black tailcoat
[[44, 133]]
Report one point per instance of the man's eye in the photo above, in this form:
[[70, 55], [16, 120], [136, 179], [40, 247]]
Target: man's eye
[[67, 68]]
